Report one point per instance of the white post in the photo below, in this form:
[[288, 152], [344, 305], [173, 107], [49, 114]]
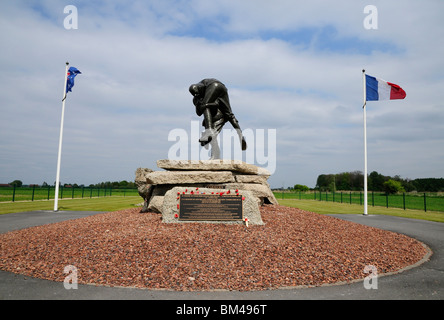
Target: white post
[[365, 144], [56, 196]]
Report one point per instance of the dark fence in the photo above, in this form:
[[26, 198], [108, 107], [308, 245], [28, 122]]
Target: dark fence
[[417, 201], [46, 193]]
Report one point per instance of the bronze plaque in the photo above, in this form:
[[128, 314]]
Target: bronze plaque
[[204, 207]]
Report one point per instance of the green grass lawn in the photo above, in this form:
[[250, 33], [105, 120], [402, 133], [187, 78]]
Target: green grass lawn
[[94, 204], [45, 193], [415, 201], [323, 207], [116, 203]]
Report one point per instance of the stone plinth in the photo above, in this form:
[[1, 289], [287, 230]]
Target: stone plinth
[[226, 175]]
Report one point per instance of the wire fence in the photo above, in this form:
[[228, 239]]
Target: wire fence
[[416, 201], [34, 193]]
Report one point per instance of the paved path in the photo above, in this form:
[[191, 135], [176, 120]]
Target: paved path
[[423, 282]]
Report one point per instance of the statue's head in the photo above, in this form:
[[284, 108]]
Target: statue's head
[[196, 89]]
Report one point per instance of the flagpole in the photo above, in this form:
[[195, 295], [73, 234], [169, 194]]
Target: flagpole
[[56, 197], [365, 143]]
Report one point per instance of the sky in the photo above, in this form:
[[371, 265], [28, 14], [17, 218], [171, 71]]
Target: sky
[[293, 70]]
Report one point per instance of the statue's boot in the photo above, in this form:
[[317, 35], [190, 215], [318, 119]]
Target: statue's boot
[[207, 136], [236, 126], [209, 132], [244, 144]]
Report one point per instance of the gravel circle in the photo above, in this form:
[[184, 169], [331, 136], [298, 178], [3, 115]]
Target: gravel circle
[[130, 249]]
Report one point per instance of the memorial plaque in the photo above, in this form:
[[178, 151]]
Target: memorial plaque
[[201, 207]]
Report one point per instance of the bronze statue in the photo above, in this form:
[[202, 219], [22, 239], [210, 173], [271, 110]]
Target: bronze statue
[[211, 100]]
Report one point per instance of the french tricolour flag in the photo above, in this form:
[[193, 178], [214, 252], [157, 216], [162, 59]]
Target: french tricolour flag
[[378, 89]]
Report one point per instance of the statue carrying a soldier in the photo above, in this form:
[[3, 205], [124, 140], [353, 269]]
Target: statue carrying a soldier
[[211, 100]]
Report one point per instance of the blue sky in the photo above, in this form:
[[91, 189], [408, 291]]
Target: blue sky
[[290, 66]]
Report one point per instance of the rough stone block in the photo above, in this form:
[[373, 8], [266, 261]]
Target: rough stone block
[[141, 175], [250, 179], [187, 177]]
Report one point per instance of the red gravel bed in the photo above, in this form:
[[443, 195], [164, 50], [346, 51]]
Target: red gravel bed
[[127, 248]]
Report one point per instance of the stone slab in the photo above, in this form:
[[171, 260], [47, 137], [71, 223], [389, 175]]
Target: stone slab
[[249, 178], [213, 165], [184, 177]]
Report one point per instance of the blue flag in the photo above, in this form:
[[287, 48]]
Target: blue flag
[[72, 72]]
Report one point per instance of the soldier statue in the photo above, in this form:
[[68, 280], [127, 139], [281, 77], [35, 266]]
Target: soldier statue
[[211, 101]]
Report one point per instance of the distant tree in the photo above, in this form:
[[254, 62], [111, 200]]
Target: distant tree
[[300, 187], [429, 184], [392, 186], [17, 183], [376, 181], [343, 181], [408, 185], [324, 181], [354, 181], [357, 180], [115, 184]]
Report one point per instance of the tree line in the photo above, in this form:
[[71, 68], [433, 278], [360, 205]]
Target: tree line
[[108, 184], [354, 181]]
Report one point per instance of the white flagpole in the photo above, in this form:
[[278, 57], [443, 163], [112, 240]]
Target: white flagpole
[[56, 197], [365, 144]]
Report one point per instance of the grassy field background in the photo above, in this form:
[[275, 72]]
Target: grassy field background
[[341, 208], [94, 204], [116, 203], [431, 201], [8, 194]]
